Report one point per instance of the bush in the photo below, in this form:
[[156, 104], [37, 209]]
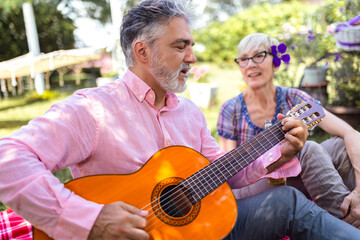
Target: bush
[[221, 39]]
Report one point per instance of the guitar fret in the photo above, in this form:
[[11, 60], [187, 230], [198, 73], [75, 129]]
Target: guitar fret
[[227, 166], [213, 175], [260, 143]]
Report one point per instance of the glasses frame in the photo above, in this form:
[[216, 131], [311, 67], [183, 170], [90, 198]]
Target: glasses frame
[[252, 58]]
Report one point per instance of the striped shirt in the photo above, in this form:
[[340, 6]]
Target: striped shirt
[[234, 120]]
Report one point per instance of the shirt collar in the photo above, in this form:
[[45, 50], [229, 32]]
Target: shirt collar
[[143, 91]]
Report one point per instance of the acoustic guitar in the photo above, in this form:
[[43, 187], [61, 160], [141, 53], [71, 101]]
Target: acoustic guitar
[[186, 196]]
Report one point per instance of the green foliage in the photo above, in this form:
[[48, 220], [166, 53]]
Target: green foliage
[[344, 80], [341, 10], [55, 31], [290, 22], [221, 39]]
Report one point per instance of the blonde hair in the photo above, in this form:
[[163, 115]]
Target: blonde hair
[[256, 41]]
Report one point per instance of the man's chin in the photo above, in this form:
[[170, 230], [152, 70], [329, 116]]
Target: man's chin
[[182, 89]]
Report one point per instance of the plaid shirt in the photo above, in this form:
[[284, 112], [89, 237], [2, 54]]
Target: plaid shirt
[[234, 120], [12, 226]]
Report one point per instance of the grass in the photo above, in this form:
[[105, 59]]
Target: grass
[[16, 112]]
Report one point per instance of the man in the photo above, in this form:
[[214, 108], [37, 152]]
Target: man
[[116, 128]]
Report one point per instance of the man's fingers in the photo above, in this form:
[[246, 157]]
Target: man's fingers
[[137, 217], [134, 210]]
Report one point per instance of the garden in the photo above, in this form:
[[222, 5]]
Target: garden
[[308, 32]]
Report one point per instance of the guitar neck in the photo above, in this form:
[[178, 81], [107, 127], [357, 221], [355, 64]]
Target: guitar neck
[[203, 182]]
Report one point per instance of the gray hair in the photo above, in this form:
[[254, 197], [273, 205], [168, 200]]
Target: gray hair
[[256, 41], [144, 22]]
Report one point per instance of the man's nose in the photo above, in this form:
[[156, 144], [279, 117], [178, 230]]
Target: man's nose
[[190, 56]]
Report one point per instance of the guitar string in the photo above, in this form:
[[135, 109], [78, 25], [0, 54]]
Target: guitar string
[[155, 223], [214, 174], [158, 221]]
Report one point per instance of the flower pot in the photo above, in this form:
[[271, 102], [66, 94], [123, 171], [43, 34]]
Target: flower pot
[[314, 76], [203, 94]]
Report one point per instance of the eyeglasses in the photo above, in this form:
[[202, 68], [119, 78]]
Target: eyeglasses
[[257, 58]]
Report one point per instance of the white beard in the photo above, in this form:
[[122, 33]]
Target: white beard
[[167, 79]]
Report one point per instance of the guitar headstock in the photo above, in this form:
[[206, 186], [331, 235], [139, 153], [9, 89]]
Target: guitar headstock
[[310, 112]]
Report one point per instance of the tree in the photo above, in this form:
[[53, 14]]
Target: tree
[[55, 30]]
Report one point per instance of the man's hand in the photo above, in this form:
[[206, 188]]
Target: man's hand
[[119, 220], [350, 208], [294, 140]]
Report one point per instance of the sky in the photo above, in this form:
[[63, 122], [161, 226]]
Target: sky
[[91, 33]]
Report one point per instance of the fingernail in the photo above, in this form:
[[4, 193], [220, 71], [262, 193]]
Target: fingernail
[[144, 213]]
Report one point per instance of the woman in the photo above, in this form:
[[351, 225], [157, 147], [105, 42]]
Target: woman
[[330, 170]]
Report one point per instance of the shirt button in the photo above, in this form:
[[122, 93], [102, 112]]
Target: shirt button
[[151, 96], [270, 159], [168, 142], [141, 97], [270, 154]]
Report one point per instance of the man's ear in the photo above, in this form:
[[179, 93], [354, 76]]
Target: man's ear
[[141, 51]]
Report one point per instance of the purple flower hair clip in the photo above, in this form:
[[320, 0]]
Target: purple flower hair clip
[[279, 54]]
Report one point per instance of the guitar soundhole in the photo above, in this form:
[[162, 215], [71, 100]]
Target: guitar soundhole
[[174, 202], [171, 205]]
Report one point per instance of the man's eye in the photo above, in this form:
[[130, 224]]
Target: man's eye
[[243, 59]]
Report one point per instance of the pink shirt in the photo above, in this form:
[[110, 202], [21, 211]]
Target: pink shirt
[[113, 129]]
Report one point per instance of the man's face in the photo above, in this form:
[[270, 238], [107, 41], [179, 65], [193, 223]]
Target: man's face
[[172, 55]]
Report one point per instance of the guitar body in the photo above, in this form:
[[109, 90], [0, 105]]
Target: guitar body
[[211, 218]]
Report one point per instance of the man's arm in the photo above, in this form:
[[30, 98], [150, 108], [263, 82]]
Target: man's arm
[[28, 156]]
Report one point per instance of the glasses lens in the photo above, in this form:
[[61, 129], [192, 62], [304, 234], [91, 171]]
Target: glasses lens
[[259, 58], [243, 62]]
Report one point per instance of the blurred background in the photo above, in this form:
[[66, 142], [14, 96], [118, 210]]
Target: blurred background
[[51, 48]]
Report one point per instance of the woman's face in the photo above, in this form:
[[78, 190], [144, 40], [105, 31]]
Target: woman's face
[[257, 75]]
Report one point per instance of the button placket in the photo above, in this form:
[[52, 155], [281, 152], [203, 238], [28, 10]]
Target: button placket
[[167, 139]]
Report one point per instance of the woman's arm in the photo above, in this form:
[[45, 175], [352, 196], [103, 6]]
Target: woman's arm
[[337, 127], [227, 144]]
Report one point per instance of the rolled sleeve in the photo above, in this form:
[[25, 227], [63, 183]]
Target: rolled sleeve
[[69, 227], [258, 169]]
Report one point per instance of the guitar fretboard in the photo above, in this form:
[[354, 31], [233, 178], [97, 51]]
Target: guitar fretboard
[[203, 182]]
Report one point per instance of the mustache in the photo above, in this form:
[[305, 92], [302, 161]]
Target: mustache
[[185, 67]]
